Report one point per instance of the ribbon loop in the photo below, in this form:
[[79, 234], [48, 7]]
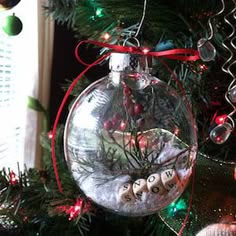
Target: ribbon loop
[[182, 54]]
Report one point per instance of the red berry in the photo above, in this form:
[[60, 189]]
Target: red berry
[[123, 125], [108, 125], [138, 109]]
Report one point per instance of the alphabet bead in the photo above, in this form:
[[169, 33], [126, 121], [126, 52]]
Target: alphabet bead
[[169, 178], [155, 185], [139, 186], [126, 193]]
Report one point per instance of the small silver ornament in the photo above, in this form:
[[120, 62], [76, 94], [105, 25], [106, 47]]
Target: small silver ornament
[[221, 133], [207, 51]]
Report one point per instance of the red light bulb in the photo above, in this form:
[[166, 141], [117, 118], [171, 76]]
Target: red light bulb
[[220, 120]]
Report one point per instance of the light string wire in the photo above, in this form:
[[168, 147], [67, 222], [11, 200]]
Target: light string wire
[[230, 61], [211, 18], [142, 19], [128, 32]]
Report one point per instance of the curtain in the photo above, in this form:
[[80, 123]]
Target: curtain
[[36, 125], [25, 70]]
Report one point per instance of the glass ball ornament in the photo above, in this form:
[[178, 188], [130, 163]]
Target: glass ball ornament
[[8, 4], [221, 133], [130, 140], [219, 229], [12, 25], [207, 51]]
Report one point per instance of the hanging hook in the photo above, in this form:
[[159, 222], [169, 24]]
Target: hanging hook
[[210, 21], [142, 19]]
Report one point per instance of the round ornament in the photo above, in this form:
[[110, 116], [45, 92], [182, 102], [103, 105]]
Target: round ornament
[[130, 140], [221, 133], [220, 229], [12, 25], [8, 4], [207, 51]]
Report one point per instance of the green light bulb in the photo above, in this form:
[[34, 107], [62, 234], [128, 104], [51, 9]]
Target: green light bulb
[[177, 206], [99, 12]]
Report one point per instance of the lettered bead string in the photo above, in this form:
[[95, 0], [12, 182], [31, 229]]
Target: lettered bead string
[[174, 54]]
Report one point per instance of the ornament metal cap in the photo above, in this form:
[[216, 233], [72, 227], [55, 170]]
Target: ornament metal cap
[[125, 62]]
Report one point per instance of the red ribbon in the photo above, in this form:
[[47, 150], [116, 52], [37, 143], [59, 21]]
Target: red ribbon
[[182, 54], [175, 54]]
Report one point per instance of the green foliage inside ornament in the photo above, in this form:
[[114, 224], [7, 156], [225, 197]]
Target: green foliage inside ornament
[[12, 25]]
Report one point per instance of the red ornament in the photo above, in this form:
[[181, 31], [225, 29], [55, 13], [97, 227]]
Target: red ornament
[[138, 109], [13, 178], [219, 120]]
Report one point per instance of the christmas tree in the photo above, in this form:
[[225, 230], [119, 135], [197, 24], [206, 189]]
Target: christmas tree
[[52, 200]]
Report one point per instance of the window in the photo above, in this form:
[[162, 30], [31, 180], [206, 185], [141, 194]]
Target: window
[[18, 80]]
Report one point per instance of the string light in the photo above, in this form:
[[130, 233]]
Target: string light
[[13, 178], [73, 211], [219, 120], [99, 12], [49, 135], [145, 50], [106, 36]]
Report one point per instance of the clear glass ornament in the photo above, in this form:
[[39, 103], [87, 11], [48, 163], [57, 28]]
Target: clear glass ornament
[[221, 133], [207, 51], [130, 140], [232, 94], [220, 229]]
